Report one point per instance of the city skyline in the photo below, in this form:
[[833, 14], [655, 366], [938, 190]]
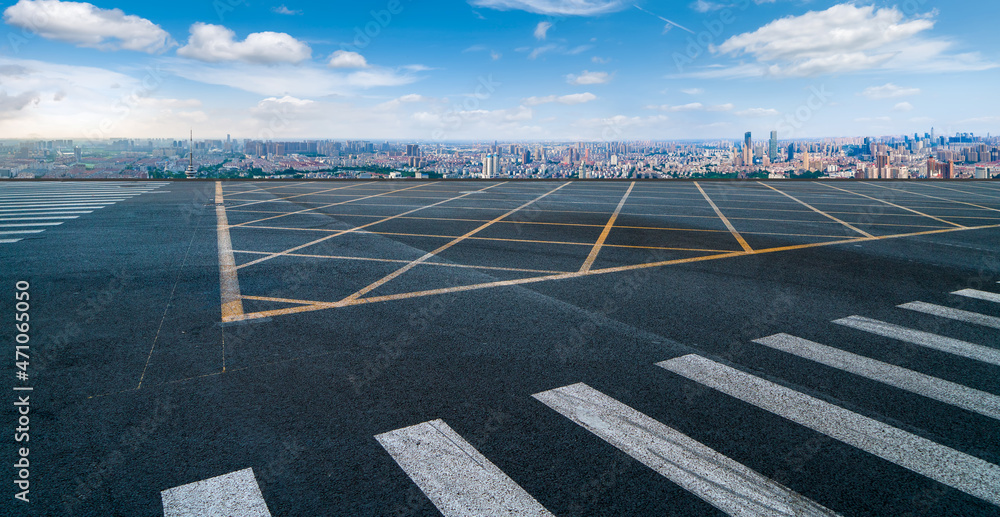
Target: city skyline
[[527, 70]]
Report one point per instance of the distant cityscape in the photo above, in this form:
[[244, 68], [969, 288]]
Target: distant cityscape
[[927, 156]]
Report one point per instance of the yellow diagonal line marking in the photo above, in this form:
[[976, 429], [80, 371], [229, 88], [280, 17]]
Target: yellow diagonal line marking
[[892, 204], [942, 198], [428, 256], [818, 211], [356, 228], [742, 241], [604, 234], [562, 276], [295, 196], [328, 205]]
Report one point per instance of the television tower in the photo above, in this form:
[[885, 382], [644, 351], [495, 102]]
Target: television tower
[[190, 172]]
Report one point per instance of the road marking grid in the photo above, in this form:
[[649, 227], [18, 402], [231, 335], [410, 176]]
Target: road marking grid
[[27, 204], [625, 204]]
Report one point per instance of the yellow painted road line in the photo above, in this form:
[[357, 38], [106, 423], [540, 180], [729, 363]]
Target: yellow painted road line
[[426, 257], [818, 211], [272, 200], [241, 192], [401, 261], [563, 276], [941, 198], [355, 229], [732, 229], [607, 230], [229, 282], [329, 205], [892, 204]]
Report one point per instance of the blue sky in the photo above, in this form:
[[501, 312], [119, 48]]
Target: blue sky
[[497, 69]]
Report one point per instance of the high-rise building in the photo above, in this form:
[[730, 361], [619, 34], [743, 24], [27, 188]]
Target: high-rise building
[[747, 150], [772, 148], [412, 150], [791, 152], [882, 166], [491, 165], [78, 154], [190, 172]]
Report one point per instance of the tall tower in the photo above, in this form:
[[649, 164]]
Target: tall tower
[[190, 172], [747, 150], [772, 148]]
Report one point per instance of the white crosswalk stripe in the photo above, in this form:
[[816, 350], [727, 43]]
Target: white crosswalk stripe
[[925, 339], [720, 481], [979, 295], [954, 314], [458, 479], [938, 462], [931, 387], [36, 204], [229, 495]]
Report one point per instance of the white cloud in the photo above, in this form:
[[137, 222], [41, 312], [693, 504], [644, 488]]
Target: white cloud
[[853, 39], [558, 7], [215, 43], [86, 25], [600, 60], [588, 77], [758, 112], [721, 107], [888, 91], [903, 106], [541, 50], [347, 59], [305, 80], [542, 30], [576, 98], [284, 10], [693, 91]]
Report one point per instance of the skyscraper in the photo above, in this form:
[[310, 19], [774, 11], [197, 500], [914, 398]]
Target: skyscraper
[[747, 150], [772, 149]]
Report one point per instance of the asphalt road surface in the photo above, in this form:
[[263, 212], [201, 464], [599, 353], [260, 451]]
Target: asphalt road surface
[[502, 348]]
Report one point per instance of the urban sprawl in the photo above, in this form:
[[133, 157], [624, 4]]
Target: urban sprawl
[[959, 156]]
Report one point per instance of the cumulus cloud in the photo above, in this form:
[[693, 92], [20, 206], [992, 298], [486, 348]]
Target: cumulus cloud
[[557, 7], [87, 25], [576, 98], [347, 59], [855, 38], [903, 106], [542, 30], [888, 91], [693, 91], [588, 77], [10, 103], [693, 106], [215, 43]]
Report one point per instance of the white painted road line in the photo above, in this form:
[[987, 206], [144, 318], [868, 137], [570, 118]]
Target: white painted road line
[[458, 479], [956, 469], [21, 225], [50, 204], [230, 495], [20, 231], [41, 218], [954, 314], [9, 241], [926, 339], [719, 480], [34, 212], [941, 390], [979, 295]]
